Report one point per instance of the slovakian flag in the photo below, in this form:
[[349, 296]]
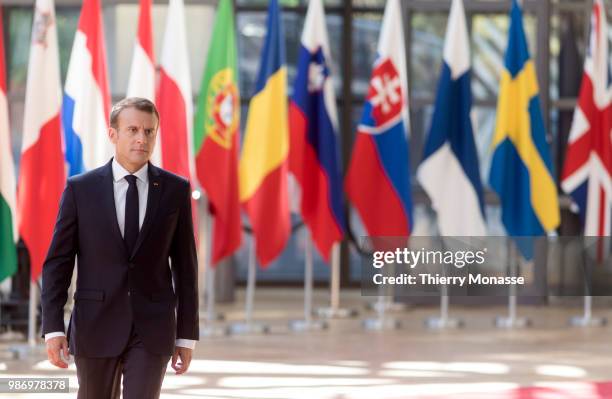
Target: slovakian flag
[[142, 73], [86, 104], [263, 166], [216, 135], [8, 199], [450, 163], [521, 167], [587, 172], [313, 124], [378, 177], [42, 172]]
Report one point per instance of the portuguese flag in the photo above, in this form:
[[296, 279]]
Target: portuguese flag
[[215, 134], [8, 184]]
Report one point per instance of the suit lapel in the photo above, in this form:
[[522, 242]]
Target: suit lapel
[[108, 202], [153, 197]]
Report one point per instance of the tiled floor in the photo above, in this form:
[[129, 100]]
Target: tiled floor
[[548, 360]]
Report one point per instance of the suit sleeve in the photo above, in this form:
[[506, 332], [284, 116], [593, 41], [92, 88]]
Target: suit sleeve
[[184, 265], [59, 264]]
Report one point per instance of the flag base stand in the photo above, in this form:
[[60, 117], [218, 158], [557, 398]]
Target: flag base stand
[[214, 331], [26, 351], [512, 322], [587, 319], [381, 324], [336, 313], [308, 325], [249, 328], [443, 323]]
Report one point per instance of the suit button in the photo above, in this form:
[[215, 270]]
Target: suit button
[[128, 293], [131, 265]]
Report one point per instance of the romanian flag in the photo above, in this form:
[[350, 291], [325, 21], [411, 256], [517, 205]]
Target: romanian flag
[[521, 171], [263, 164]]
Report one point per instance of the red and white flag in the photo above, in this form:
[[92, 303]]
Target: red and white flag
[[587, 172], [142, 73], [42, 172], [174, 97]]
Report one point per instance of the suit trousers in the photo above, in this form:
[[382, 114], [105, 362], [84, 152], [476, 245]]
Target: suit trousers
[[142, 372]]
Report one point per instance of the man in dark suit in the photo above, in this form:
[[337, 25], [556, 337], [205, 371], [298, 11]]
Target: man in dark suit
[[129, 225]]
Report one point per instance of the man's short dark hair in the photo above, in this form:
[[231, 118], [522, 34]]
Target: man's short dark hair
[[141, 104]]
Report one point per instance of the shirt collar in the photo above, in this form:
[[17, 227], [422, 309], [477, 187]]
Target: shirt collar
[[119, 172]]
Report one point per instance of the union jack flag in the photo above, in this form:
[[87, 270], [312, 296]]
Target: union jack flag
[[587, 172]]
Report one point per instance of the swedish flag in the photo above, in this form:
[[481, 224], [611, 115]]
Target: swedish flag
[[521, 165]]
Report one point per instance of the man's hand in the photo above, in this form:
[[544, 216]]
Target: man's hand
[[55, 347], [185, 356]]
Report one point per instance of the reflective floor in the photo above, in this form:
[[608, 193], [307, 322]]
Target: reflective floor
[[548, 360]]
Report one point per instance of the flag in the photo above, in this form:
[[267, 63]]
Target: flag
[[378, 176], [42, 172], [8, 208], [521, 169], [174, 96], [450, 163], [263, 163], [587, 171], [142, 73], [313, 150], [216, 135], [86, 103]]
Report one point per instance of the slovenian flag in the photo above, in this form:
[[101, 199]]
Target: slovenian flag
[[42, 171], [313, 120], [263, 166], [378, 177], [86, 104], [450, 163]]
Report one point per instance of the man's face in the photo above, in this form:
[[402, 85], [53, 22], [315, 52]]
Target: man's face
[[134, 138]]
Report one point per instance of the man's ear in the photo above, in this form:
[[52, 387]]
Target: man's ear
[[112, 134]]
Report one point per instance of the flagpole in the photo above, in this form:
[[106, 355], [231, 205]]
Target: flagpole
[[308, 324], [32, 314], [210, 329], [512, 321], [334, 311], [248, 326], [444, 321]]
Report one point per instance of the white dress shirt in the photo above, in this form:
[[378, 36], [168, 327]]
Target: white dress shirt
[[120, 187]]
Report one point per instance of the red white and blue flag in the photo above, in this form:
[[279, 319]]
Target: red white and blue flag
[[86, 103], [378, 178], [587, 172], [313, 125]]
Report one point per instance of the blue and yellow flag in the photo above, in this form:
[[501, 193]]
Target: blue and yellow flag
[[521, 171], [263, 166]]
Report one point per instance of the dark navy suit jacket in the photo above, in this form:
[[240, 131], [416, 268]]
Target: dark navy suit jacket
[[116, 290]]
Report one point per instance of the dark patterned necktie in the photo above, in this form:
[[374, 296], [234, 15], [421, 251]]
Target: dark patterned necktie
[[130, 232]]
